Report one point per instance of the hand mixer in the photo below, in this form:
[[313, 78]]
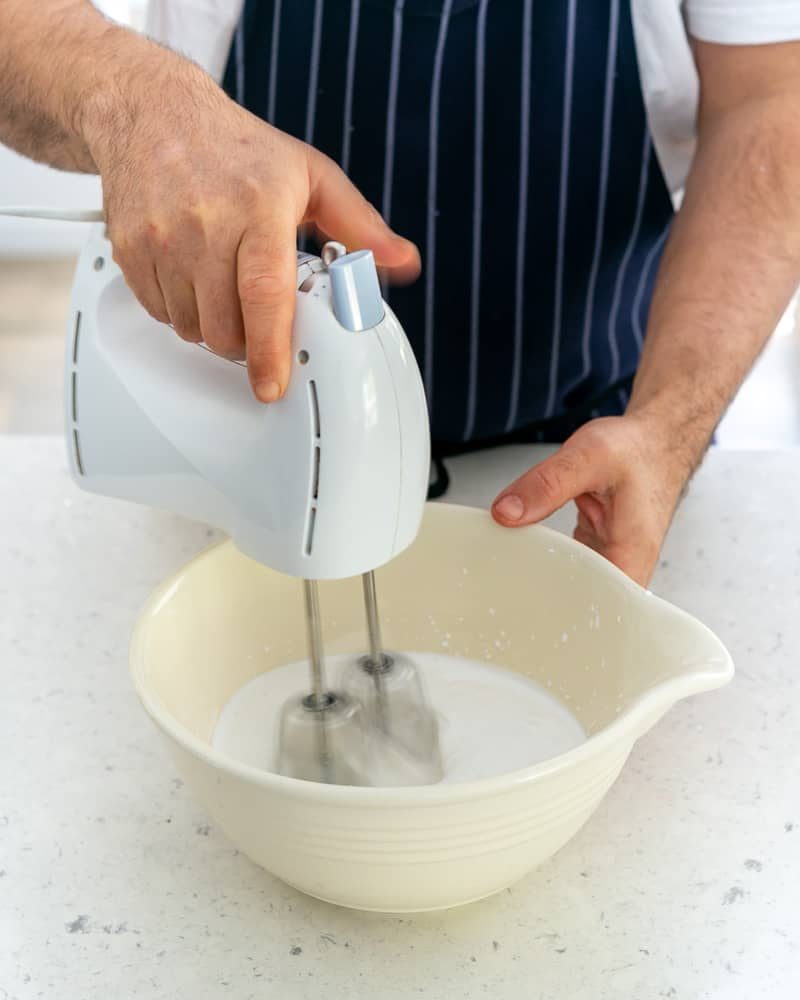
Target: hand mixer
[[329, 482]]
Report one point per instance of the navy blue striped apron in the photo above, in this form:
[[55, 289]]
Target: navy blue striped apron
[[509, 141]]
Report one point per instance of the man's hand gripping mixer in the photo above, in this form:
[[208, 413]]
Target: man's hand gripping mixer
[[328, 482]]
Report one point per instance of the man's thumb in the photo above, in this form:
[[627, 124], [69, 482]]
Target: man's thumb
[[546, 487], [343, 213]]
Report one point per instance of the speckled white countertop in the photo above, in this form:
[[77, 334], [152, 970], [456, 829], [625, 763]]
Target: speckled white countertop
[[684, 884]]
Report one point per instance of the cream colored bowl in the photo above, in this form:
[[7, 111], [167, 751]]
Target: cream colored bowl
[[223, 619]]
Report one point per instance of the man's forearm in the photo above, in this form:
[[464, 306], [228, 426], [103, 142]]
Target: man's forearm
[[729, 269], [51, 57], [67, 74]]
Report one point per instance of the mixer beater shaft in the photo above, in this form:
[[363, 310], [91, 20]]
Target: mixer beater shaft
[[314, 631], [373, 622], [319, 698], [378, 662]]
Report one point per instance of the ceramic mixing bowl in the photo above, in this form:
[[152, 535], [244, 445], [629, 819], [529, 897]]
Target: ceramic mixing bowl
[[223, 619]]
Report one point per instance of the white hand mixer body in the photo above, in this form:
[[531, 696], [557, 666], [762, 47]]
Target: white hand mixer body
[[328, 482]]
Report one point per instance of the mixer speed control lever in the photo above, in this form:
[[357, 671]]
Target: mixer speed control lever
[[357, 300]]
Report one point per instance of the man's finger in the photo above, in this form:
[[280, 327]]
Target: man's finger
[[266, 280], [336, 206], [541, 491], [634, 551], [220, 314], [634, 562], [143, 282], [181, 304]]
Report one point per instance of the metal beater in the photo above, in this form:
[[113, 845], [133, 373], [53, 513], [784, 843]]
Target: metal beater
[[377, 728], [322, 734]]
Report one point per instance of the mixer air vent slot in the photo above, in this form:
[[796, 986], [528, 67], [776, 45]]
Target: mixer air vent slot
[[316, 454], [314, 403], [78, 460], [315, 480], [312, 517], [74, 395], [75, 337]]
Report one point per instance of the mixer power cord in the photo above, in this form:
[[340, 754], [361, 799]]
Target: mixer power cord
[[60, 214]]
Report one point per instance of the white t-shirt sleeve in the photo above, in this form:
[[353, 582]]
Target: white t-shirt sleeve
[[743, 22], [199, 29]]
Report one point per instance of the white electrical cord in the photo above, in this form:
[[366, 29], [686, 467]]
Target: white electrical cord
[[62, 214]]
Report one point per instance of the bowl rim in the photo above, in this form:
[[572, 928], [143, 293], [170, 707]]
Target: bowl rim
[[625, 729]]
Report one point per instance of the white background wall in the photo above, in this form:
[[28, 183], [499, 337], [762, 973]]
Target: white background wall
[[25, 182]]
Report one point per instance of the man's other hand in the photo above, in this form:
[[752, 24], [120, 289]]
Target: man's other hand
[[625, 481]]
